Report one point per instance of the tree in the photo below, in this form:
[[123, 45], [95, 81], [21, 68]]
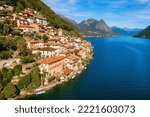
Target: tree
[[35, 77], [2, 97], [27, 59], [45, 38], [16, 33], [1, 86], [2, 3], [5, 82], [7, 73], [17, 69], [5, 54], [11, 2], [10, 91], [24, 82], [4, 72], [10, 74], [1, 77], [6, 28]]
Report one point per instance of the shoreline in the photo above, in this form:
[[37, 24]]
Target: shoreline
[[53, 84]]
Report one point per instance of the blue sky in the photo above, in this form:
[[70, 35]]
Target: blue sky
[[121, 13]]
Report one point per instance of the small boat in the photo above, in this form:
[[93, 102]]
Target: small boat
[[85, 67], [73, 77], [41, 92]]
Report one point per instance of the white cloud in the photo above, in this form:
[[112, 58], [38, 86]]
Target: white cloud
[[143, 1]]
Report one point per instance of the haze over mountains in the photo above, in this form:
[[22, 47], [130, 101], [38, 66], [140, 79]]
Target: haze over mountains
[[93, 27], [125, 31]]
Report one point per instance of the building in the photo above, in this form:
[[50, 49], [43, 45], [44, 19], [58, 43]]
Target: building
[[52, 65], [68, 72], [40, 20], [71, 61], [26, 28], [38, 43], [48, 52]]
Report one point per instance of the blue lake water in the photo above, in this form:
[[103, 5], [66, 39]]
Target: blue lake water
[[120, 69]]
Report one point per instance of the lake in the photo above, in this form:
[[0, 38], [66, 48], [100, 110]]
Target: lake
[[119, 70]]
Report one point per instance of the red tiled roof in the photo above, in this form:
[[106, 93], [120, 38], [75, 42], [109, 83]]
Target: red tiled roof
[[47, 49], [25, 26], [57, 75], [34, 47], [65, 52], [67, 71], [73, 57], [52, 59], [37, 41], [51, 43]]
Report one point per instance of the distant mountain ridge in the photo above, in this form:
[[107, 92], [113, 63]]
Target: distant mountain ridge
[[125, 31], [93, 27]]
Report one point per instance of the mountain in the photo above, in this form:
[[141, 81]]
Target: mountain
[[53, 19], [93, 27], [125, 31], [90, 27], [73, 23], [144, 33]]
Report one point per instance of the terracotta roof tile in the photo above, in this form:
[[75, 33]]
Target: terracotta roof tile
[[73, 57], [47, 49], [25, 26], [37, 41], [67, 71], [57, 75], [52, 59]]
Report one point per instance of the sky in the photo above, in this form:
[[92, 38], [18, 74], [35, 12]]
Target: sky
[[120, 13]]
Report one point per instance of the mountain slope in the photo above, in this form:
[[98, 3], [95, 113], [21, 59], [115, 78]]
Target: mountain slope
[[125, 31], [73, 23], [145, 33], [53, 19], [93, 27]]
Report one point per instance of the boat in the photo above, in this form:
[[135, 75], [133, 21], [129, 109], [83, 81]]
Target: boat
[[85, 67], [41, 92], [73, 77]]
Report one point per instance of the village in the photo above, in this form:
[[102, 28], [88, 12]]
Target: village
[[61, 57]]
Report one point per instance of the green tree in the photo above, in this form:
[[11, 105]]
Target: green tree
[[5, 82], [10, 91], [2, 97], [35, 77], [10, 74], [17, 69], [4, 72], [1, 86], [27, 59], [5, 54], [6, 29], [1, 77], [11, 2], [24, 82], [16, 33], [2, 3], [7, 73], [45, 38]]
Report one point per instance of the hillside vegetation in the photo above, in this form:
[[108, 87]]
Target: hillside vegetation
[[53, 19], [145, 33]]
